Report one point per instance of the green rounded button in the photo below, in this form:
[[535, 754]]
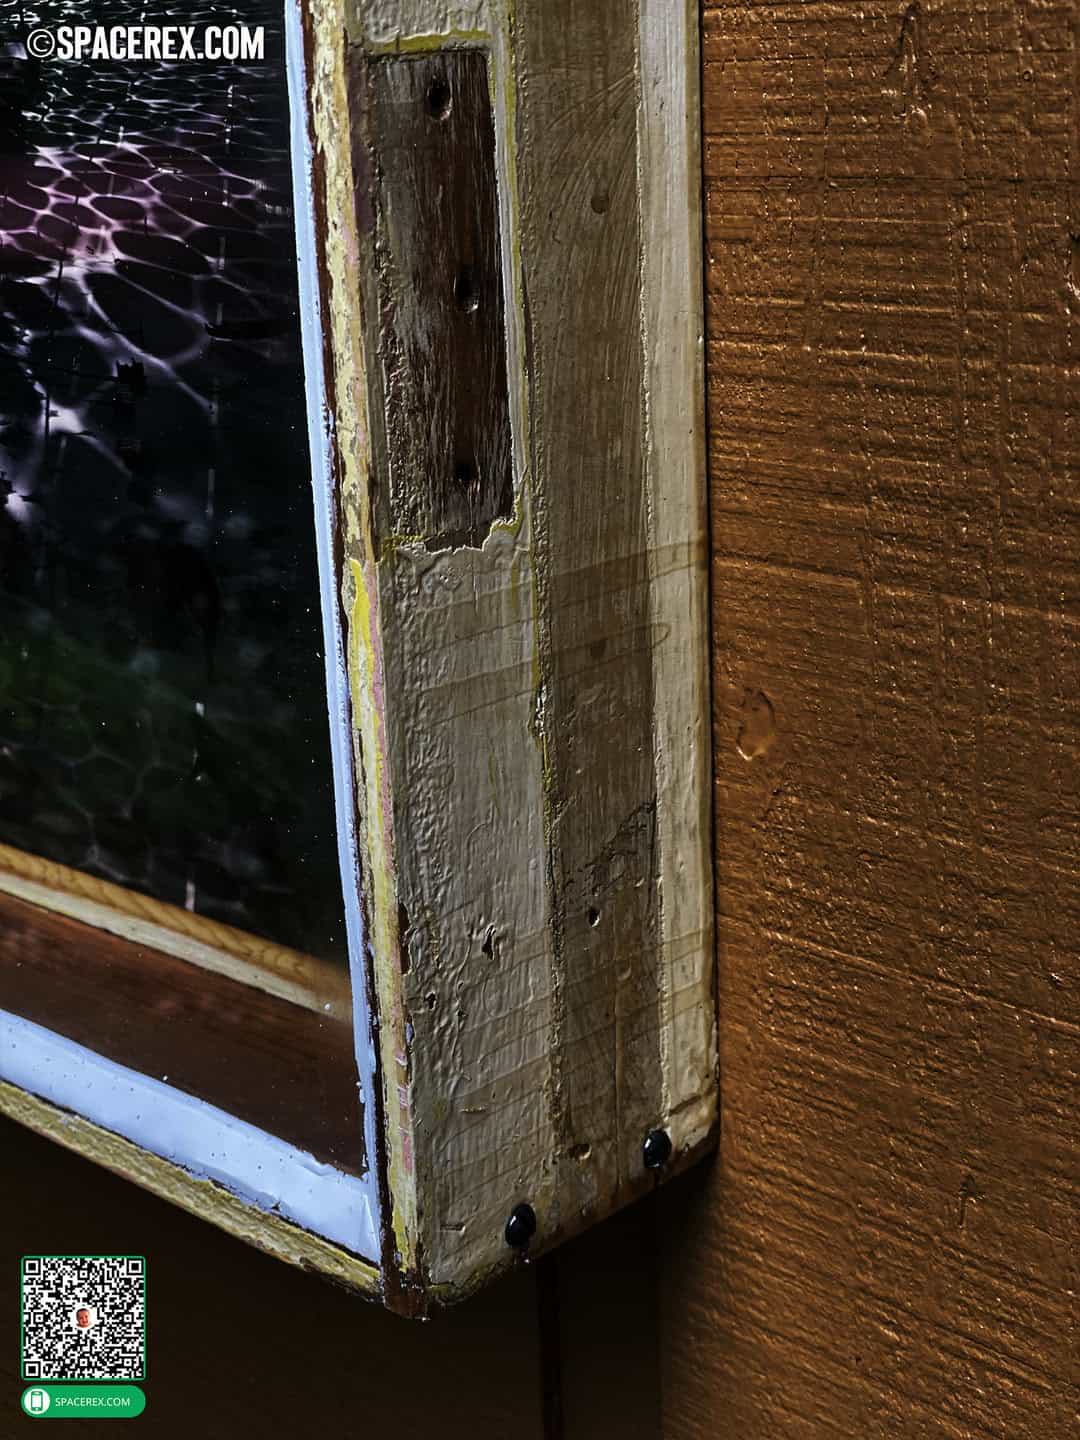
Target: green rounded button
[[80, 1402]]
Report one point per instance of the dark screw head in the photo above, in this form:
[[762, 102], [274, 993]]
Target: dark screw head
[[656, 1151], [521, 1226]]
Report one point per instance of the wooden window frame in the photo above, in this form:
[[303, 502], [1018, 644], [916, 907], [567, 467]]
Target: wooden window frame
[[571, 941]]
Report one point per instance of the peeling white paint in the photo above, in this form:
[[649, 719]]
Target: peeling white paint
[[387, 22]]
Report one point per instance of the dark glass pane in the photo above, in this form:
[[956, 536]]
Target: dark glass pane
[[163, 721]]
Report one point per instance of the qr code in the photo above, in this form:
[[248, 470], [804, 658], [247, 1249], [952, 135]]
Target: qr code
[[83, 1317]]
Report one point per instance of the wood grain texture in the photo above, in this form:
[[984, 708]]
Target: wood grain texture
[[535, 859], [278, 1066], [525, 663], [424, 151], [669, 184], [888, 1246], [577, 167], [222, 949]]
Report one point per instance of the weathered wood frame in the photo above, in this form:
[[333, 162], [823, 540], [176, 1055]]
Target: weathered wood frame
[[539, 898], [222, 949], [529, 710]]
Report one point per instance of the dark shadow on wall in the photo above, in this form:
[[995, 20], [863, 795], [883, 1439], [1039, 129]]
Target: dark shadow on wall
[[241, 1344]]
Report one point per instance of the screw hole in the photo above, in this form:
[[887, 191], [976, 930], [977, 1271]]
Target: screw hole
[[438, 99], [467, 290], [467, 477]]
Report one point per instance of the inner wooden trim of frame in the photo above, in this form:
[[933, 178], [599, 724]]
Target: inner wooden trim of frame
[[288, 1071], [286, 974]]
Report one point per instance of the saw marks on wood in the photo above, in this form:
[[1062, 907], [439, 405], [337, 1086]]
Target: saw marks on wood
[[888, 1247], [577, 162]]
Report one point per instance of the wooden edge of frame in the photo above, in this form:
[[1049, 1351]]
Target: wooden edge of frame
[[378, 591], [286, 974], [673, 331], [202, 1198], [443, 1296], [326, 44]]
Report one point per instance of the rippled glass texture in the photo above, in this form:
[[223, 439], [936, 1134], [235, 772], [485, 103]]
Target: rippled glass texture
[[163, 720]]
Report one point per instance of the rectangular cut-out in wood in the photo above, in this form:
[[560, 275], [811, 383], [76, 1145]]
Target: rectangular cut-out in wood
[[500, 310], [424, 154]]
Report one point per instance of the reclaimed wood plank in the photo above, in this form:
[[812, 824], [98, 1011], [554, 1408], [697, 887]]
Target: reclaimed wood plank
[[536, 842]]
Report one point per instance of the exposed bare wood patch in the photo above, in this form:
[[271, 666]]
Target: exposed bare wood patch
[[424, 151]]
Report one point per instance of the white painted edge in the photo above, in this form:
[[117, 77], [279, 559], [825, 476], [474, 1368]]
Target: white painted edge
[[320, 423], [386, 23], [262, 1170]]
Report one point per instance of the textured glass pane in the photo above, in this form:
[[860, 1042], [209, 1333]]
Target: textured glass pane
[[162, 704]]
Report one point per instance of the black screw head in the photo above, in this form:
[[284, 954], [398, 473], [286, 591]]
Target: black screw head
[[521, 1226], [656, 1151]]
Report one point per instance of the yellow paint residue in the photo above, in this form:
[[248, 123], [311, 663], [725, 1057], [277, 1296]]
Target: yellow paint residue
[[360, 604], [427, 44]]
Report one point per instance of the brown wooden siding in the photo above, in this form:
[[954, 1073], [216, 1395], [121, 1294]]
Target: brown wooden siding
[[888, 1246]]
